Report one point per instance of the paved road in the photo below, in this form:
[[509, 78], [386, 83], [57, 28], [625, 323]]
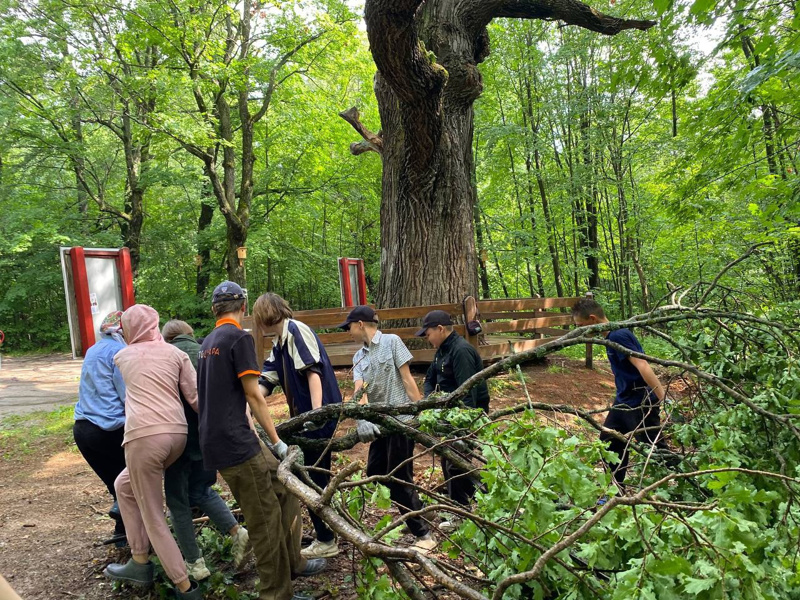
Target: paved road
[[43, 382]]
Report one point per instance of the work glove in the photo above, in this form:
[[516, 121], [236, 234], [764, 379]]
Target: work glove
[[279, 449], [309, 426], [367, 431]]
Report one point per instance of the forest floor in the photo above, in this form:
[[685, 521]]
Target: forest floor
[[52, 506]]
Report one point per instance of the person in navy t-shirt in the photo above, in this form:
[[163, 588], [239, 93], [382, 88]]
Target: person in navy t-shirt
[[639, 392]]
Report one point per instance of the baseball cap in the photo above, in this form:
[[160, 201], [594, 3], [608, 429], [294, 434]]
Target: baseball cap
[[434, 319], [360, 313], [227, 290]]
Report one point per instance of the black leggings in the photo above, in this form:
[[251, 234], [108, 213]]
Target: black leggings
[[102, 450]]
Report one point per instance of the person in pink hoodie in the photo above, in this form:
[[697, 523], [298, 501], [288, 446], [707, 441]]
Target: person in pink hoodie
[[155, 436]]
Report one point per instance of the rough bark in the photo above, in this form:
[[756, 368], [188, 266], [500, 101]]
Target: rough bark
[[427, 55]]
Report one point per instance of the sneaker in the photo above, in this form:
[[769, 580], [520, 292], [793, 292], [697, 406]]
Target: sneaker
[[450, 522], [313, 566], [241, 546], [319, 549], [424, 544], [197, 569], [302, 596], [131, 572]]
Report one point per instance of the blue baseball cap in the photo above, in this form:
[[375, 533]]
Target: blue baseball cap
[[227, 290]]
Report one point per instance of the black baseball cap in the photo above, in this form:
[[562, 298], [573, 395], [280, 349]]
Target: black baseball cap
[[227, 290], [434, 319], [360, 313]]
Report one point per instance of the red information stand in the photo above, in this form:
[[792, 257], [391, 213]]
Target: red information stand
[[97, 281], [353, 281]]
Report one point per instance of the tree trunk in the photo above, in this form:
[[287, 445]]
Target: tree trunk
[[481, 257], [427, 235], [203, 245]]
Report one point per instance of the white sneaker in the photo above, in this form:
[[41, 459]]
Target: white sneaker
[[424, 544], [241, 546], [319, 549], [198, 570], [449, 523]]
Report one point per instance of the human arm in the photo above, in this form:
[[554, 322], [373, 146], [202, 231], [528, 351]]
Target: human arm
[[119, 382], [412, 391], [314, 388], [188, 380], [464, 368], [258, 406], [649, 376], [430, 380]]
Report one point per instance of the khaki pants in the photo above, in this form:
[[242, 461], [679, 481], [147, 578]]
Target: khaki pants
[[273, 521]]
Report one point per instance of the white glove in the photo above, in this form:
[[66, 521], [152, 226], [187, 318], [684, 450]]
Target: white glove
[[280, 449], [367, 431]]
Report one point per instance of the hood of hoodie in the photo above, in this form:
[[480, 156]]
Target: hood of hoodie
[[140, 324]]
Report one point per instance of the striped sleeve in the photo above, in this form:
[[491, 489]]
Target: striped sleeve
[[303, 345], [269, 373]]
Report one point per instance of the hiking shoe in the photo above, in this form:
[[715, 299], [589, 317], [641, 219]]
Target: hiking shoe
[[241, 546], [449, 523], [319, 549], [197, 569], [193, 593], [424, 544], [114, 512], [131, 572], [313, 566]]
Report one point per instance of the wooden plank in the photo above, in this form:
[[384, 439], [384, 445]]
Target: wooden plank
[[413, 312], [526, 324], [515, 314], [524, 304], [405, 333]]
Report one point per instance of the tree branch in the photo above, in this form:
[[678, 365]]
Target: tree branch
[[372, 142]]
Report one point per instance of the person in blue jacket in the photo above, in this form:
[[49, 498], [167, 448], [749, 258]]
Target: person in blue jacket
[[100, 411]]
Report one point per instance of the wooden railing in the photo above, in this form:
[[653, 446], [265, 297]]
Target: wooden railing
[[509, 326]]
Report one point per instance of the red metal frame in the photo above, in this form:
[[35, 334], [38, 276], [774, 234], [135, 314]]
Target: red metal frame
[[77, 257], [126, 278], [80, 283], [344, 269]]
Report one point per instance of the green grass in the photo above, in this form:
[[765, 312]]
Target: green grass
[[20, 434]]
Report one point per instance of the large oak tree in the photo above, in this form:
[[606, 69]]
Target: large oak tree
[[427, 54]]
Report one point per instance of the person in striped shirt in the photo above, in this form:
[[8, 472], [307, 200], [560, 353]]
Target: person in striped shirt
[[300, 365]]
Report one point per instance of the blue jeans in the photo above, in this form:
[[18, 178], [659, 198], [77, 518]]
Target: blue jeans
[[188, 484]]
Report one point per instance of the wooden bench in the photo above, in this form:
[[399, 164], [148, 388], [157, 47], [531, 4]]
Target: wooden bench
[[509, 326]]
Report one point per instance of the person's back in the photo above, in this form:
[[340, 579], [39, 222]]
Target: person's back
[[226, 437], [228, 384], [631, 386], [154, 372], [100, 412], [188, 484], [101, 393]]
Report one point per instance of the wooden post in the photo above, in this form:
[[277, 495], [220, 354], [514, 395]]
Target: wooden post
[[589, 346]]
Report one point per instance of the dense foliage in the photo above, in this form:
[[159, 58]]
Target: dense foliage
[[621, 163]]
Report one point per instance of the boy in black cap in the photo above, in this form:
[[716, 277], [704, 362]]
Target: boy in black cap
[[227, 382], [381, 367], [456, 360]]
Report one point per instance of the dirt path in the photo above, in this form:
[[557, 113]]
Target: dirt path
[[52, 505], [31, 383]]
